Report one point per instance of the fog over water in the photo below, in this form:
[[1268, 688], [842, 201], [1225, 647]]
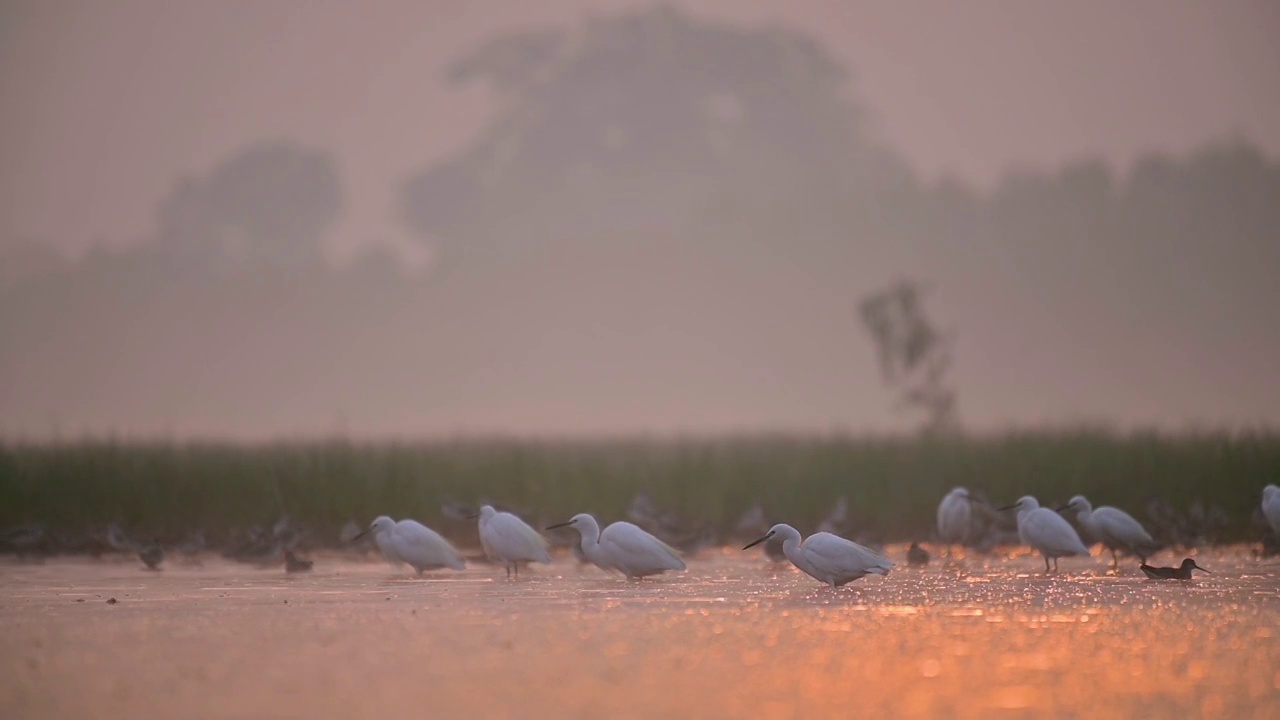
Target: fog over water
[[290, 218]]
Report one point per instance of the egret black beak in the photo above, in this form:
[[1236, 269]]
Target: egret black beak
[[473, 516], [1197, 567], [754, 543], [1064, 507], [1007, 507], [559, 525], [366, 532]]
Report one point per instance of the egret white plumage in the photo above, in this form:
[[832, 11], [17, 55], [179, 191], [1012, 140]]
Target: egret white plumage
[[1114, 528], [411, 542], [623, 547], [1046, 531], [510, 540], [955, 517], [1271, 507], [825, 557]]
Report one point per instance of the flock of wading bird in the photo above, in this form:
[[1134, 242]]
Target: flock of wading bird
[[630, 550]]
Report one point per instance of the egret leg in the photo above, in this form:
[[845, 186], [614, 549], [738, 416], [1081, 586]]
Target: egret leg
[[1055, 564], [1046, 564], [516, 568], [1115, 561]]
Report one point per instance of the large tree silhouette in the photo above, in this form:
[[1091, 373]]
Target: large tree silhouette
[[652, 119], [268, 205], [664, 226]]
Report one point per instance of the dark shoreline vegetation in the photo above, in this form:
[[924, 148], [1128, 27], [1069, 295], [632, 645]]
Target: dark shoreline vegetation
[[164, 491]]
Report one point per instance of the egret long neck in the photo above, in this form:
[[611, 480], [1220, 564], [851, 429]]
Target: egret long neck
[[1022, 516], [590, 539], [791, 548], [382, 539]]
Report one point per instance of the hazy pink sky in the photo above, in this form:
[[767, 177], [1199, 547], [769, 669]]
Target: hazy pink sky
[[107, 103]]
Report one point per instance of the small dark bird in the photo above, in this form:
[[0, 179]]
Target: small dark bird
[[152, 556], [917, 556], [293, 563], [1183, 572]]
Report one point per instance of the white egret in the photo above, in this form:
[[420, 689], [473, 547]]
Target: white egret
[[1114, 528], [509, 539], [623, 547], [409, 541], [1271, 507], [955, 517], [828, 558], [1046, 531]]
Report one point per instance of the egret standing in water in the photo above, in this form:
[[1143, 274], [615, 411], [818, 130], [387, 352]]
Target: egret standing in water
[[623, 547], [1046, 531], [510, 540], [955, 517], [828, 558], [1271, 507], [409, 541], [1114, 528]]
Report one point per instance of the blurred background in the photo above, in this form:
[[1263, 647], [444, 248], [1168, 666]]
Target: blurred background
[[319, 224]]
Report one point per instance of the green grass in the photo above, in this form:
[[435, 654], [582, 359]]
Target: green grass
[[893, 485]]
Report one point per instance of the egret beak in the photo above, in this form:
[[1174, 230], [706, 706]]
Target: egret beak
[[1197, 567], [366, 532], [473, 516], [1007, 507], [754, 543], [1065, 507], [559, 525]]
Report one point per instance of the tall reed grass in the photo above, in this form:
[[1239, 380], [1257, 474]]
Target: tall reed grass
[[893, 485]]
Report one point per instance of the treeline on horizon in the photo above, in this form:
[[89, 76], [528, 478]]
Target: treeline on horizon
[[660, 180], [165, 491]]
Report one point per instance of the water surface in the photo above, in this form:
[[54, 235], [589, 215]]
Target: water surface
[[734, 637]]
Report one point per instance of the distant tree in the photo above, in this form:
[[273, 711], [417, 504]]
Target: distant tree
[[267, 206], [914, 356], [663, 217], [649, 119]]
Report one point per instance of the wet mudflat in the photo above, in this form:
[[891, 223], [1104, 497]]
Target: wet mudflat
[[734, 637]]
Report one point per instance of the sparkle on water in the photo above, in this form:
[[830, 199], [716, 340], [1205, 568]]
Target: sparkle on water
[[735, 636]]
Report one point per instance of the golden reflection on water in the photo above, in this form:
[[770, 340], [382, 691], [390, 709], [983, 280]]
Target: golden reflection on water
[[735, 637]]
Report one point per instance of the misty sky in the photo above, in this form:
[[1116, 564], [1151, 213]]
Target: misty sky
[[107, 103]]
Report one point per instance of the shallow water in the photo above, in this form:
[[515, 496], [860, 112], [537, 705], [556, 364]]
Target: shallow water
[[734, 637]]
